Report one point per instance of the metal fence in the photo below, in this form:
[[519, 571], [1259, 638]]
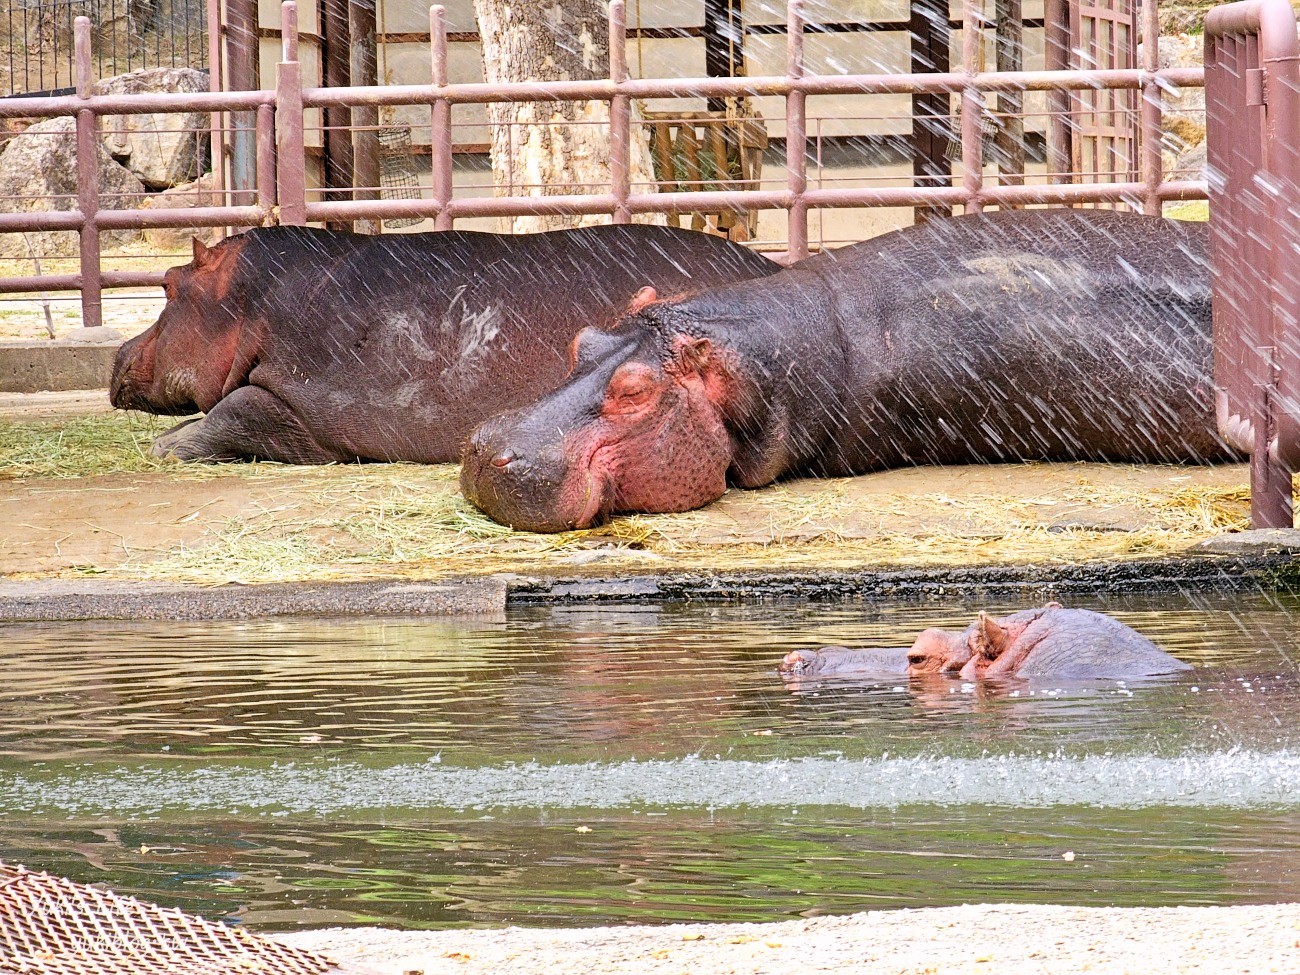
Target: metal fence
[[279, 151], [127, 35], [1252, 90]]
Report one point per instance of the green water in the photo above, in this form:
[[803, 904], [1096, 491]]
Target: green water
[[580, 766]]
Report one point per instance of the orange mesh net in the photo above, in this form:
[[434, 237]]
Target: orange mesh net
[[52, 926]]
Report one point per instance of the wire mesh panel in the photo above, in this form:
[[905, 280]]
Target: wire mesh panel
[[52, 926], [36, 52]]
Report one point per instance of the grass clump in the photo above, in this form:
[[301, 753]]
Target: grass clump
[[103, 443]]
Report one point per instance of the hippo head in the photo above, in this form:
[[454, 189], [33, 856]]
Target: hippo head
[[639, 425], [182, 363], [970, 653]]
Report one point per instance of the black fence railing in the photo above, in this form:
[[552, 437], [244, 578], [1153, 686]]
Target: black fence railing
[[36, 39]]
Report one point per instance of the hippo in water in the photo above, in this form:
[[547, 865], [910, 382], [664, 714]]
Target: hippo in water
[[1024, 335], [311, 346], [1048, 643]]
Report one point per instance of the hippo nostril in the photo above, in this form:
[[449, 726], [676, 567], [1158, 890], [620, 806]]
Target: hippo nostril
[[504, 459]]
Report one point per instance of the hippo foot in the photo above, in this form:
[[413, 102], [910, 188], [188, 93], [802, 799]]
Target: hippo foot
[[178, 443]]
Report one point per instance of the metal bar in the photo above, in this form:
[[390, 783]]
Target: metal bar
[[440, 136], [1152, 113], [620, 115], [218, 121], [290, 157], [88, 150], [796, 136], [869, 84], [972, 108]]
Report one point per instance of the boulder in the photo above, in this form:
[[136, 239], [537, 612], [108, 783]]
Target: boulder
[[162, 150], [200, 193], [1184, 114], [1190, 165], [38, 171]]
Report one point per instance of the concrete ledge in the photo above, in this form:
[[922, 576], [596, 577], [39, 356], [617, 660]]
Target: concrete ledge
[[1204, 573], [72, 363], [85, 599]]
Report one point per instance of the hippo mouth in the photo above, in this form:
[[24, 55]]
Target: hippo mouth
[[528, 498]]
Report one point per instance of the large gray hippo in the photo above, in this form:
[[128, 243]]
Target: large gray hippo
[[1048, 643], [311, 346], [1025, 335]]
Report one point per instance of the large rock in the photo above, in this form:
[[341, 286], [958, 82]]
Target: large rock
[[1184, 114], [38, 171], [163, 150], [200, 193]]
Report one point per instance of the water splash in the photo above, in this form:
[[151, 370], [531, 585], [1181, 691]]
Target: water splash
[[1232, 779]]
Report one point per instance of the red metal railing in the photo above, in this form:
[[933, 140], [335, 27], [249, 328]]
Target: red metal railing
[[1252, 91], [281, 194]]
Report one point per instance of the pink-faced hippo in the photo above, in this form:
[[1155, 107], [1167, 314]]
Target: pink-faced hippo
[[1050, 643], [1025, 335], [312, 346]]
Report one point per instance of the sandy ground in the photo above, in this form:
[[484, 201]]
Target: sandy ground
[[245, 524], [1024, 940]]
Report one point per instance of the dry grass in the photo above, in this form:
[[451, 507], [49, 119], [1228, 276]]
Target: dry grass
[[359, 521]]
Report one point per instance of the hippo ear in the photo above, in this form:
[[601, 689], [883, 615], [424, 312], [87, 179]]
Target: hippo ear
[[693, 355], [1052, 605], [990, 638], [201, 253], [646, 296]]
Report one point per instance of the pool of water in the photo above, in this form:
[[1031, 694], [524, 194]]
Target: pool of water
[[637, 764]]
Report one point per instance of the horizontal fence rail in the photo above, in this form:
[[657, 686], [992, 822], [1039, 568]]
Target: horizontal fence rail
[[1253, 126], [280, 193]]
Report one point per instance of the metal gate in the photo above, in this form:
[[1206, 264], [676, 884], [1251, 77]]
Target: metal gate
[[1252, 94]]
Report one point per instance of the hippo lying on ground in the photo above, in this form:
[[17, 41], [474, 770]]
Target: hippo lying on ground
[[1048, 643], [1026, 335], [311, 346]]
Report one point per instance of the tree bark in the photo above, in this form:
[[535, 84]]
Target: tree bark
[[552, 148]]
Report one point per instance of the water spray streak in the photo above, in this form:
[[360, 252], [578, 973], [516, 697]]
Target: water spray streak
[[1234, 779]]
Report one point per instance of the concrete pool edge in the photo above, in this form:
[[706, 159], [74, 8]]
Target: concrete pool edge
[[58, 600]]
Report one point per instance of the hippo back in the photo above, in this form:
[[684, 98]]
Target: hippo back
[[1027, 335], [398, 345], [1076, 644]]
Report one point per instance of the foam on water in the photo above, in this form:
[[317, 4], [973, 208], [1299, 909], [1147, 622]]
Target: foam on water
[[1232, 779]]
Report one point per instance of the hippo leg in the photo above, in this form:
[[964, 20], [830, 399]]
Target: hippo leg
[[249, 424]]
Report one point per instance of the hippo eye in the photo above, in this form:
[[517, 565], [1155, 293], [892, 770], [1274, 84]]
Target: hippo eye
[[915, 659], [629, 391]]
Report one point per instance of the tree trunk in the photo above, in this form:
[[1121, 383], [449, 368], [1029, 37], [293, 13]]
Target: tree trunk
[[552, 148]]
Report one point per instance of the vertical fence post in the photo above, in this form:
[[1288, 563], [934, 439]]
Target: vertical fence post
[[796, 137], [217, 120], [92, 308], [1152, 113], [440, 121], [972, 108], [290, 157], [620, 112]]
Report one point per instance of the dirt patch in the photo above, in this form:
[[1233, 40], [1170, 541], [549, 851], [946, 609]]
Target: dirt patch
[[1024, 940]]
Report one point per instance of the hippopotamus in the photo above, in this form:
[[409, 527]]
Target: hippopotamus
[[1048, 643], [1023, 335], [311, 346]]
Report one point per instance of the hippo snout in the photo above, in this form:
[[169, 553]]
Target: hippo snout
[[537, 490]]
